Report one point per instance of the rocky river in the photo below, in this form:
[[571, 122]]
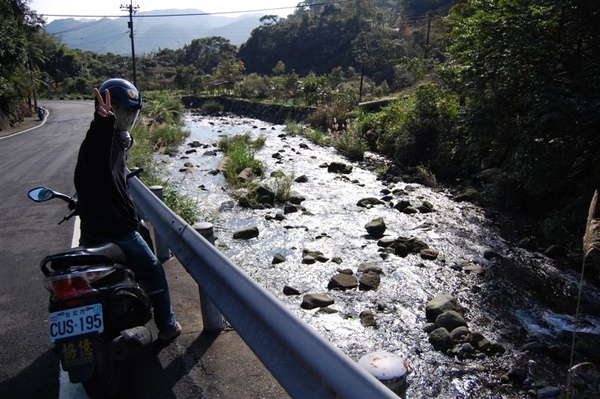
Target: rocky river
[[379, 262]]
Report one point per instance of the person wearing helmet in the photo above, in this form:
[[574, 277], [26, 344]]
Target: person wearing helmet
[[106, 210]]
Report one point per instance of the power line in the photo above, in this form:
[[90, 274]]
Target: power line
[[164, 15], [76, 28], [102, 39], [301, 5]]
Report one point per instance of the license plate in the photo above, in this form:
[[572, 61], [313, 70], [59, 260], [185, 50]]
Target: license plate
[[76, 321]]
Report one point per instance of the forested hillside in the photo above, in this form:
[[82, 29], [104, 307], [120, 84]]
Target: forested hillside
[[376, 35], [502, 96]]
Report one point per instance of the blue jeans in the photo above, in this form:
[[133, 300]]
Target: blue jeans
[[148, 271]]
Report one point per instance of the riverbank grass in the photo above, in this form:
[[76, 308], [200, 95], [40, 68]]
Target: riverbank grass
[[160, 128], [240, 151]]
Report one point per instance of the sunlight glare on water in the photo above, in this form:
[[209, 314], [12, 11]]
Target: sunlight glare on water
[[333, 224]]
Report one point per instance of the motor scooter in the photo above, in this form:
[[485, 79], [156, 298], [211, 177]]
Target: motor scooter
[[41, 113], [97, 310]]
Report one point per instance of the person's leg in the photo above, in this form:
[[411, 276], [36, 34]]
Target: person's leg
[[148, 270]]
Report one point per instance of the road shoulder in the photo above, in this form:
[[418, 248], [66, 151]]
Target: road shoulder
[[26, 124]]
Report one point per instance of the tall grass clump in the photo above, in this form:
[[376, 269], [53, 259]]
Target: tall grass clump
[[426, 175], [240, 152], [281, 185], [317, 136], [182, 204], [349, 142], [327, 116], [166, 138], [141, 155], [313, 135], [148, 139]]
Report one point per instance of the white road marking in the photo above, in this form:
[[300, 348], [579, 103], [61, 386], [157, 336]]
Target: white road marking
[[67, 390], [27, 130]]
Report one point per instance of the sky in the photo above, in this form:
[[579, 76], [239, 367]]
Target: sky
[[98, 8]]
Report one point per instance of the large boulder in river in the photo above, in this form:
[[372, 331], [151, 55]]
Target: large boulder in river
[[441, 303], [342, 281], [369, 202], [441, 340], [246, 234], [413, 245], [450, 320], [312, 301], [263, 195], [369, 281], [339, 167], [376, 228]]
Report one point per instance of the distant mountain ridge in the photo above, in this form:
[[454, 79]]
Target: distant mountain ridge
[[153, 31]]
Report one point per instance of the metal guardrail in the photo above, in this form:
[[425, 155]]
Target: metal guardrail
[[304, 363]]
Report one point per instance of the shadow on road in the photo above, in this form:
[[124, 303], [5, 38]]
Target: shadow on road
[[160, 371], [38, 380]]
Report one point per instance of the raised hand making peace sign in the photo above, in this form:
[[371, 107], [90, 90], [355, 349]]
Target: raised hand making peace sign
[[104, 107]]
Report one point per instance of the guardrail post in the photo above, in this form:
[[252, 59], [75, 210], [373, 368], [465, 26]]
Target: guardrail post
[[212, 319], [162, 249], [388, 368]]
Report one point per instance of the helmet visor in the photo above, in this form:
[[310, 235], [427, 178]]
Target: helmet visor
[[126, 116]]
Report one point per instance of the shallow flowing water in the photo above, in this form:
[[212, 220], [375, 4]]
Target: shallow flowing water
[[333, 224]]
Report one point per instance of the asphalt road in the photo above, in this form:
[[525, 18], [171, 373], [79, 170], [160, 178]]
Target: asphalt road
[[29, 231]]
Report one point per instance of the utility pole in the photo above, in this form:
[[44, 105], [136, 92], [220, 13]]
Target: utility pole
[[430, 16], [132, 10]]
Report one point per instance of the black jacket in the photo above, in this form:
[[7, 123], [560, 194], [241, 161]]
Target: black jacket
[[105, 208]]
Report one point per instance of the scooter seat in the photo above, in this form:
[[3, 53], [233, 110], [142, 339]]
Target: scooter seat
[[105, 254]]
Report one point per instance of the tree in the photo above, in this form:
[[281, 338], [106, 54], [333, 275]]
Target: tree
[[279, 68], [313, 88], [16, 81], [229, 71], [206, 53], [528, 73]]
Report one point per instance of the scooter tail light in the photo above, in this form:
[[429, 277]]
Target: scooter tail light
[[75, 284]]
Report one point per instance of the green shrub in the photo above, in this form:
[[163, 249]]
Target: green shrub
[[227, 144], [254, 86], [150, 136], [212, 107], [329, 117], [295, 129], [349, 142], [426, 176], [380, 129], [161, 107]]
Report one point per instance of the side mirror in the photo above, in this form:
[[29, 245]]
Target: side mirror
[[41, 194]]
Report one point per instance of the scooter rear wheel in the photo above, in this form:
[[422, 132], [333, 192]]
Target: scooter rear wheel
[[106, 381]]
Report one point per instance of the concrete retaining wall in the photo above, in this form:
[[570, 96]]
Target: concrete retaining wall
[[273, 113]]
